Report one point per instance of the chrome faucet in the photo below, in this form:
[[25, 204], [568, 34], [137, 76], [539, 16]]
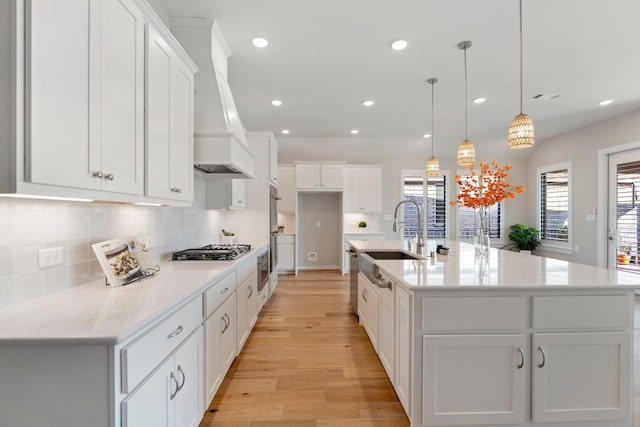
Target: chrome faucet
[[395, 222]]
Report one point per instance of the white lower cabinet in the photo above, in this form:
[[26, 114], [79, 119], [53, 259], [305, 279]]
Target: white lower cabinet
[[581, 376], [473, 379], [171, 396], [386, 331], [220, 345], [286, 251], [403, 335], [247, 313], [368, 308]]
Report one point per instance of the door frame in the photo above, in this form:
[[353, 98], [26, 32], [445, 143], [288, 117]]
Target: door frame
[[603, 198]]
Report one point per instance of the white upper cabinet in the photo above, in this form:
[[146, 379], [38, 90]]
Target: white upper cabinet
[[319, 176], [286, 189], [169, 147], [273, 161], [363, 189], [225, 193]]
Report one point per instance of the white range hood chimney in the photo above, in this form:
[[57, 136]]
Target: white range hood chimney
[[221, 146]]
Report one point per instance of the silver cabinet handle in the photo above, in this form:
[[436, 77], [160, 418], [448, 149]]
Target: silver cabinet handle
[[224, 324], [184, 378], [250, 292], [228, 320], [175, 333], [98, 174], [176, 190], [224, 291], [173, 394], [521, 351], [544, 358], [109, 177], [364, 295]]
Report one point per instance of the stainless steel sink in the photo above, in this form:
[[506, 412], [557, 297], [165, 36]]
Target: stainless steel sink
[[390, 255]]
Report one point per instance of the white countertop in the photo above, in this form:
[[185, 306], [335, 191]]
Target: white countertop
[[96, 313], [462, 268], [351, 233]]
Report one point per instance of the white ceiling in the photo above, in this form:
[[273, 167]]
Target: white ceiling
[[325, 57]]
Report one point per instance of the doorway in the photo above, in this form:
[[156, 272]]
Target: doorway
[[623, 209]]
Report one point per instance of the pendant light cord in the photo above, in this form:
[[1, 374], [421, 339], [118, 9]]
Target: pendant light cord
[[433, 130], [465, 93], [521, 96]]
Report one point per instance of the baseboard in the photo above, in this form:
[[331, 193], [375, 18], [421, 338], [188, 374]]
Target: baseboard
[[320, 267]]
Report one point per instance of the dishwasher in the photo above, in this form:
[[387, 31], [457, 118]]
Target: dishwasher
[[354, 268]]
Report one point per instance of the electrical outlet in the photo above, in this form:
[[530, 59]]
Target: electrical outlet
[[50, 257], [312, 256]]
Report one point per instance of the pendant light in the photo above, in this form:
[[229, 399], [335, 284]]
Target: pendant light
[[433, 166], [521, 133], [466, 150]]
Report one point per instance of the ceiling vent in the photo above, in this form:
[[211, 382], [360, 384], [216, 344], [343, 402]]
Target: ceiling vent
[[546, 96]]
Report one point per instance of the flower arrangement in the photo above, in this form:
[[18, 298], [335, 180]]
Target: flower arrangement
[[485, 188]]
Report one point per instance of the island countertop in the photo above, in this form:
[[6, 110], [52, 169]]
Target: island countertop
[[463, 268]]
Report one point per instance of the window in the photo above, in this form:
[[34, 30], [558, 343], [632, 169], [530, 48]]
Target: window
[[436, 210], [554, 206], [467, 220]]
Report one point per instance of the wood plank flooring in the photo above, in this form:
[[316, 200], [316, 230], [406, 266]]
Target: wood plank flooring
[[307, 363]]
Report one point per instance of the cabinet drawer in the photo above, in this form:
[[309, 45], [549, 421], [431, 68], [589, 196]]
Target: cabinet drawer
[[218, 292], [245, 269], [285, 239], [143, 355], [582, 312], [473, 313]]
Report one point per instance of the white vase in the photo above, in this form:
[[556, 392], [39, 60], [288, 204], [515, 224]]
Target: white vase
[[524, 251]]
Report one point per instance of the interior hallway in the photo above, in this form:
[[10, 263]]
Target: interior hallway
[[308, 363]]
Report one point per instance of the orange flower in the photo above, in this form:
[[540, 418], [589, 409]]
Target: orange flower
[[485, 188]]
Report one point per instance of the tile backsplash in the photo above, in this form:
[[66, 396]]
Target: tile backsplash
[[29, 225]]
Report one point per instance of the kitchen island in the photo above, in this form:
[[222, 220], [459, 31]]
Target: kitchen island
[[501, 338]]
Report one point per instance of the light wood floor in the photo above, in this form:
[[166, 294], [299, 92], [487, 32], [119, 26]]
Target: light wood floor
[[307, 363]]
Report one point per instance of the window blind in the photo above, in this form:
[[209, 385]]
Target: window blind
[[554, 206], [467, 222], [436, 209], [627, 206]]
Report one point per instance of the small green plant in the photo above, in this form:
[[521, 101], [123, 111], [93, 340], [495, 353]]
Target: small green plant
[[362, 224], [523, 237]]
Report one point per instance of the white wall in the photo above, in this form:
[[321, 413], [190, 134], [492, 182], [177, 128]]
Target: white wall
[[29, 225], [581, 147], [320, 229], [392, 161]]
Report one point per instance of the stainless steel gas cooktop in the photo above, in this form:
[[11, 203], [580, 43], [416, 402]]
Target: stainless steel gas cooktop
[[215, 252]]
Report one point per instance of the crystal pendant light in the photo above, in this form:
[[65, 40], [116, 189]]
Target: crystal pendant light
[[466, 150], [521, 133], [433, 166]]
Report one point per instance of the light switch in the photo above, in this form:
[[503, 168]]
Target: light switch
[[591, 218]]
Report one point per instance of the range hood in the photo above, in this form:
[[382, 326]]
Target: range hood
[[220, 143]]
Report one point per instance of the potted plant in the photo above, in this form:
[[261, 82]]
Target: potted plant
[[624, 257], [524, 238], [362, 226]]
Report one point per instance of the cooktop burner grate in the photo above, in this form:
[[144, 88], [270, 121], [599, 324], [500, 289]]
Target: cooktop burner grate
[[212, 252]]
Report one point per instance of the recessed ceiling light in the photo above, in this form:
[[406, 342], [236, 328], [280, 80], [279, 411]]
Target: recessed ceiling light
[[426, 135], [479, 100], [276, 103], [354, 131], [367, 102], [605, 102], [260, 42], [399, 44], [285, 131]]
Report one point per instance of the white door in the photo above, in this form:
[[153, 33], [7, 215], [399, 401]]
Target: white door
[[188, 405], [331, 177], [213, 328], [386, 332], [228, 342], [181, 151], [154, 393], [473, 379], [581, 376], [371, 188], [308, 176], [624, 211], [244, 293]]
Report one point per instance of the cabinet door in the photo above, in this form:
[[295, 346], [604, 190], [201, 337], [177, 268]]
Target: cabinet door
[[404, 332], [371, 189], [238, 194], [188, 405], [117, 93], [213, 327], [181, 132], [58, 146], [368, 309], [581, 376], [285, 257], [473, 379], [243, 296], [308, 176], [273, 161], [331, 177], [228, 338], [154, 393], [386, 332], [286, 189], [352, 191]]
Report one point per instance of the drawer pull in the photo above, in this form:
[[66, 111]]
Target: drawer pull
[[521, 351], [364, 293], [544, 358], [175, 333], [173, 394], [98, 174], [184, 378], [226, 323], [224, 291], [109, 177], [250, 292]]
